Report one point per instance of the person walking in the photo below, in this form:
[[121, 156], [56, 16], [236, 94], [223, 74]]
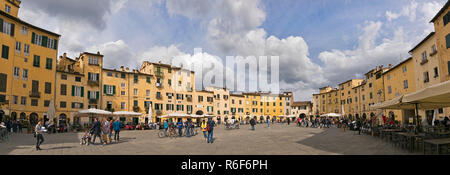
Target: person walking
[[288, 121], [19, 124], [39, 137], [358, 125], [268, 122], [253, 123], [180, 128], [210, 129], [204, 129], [97, 131], [166, 125], [116, 127]]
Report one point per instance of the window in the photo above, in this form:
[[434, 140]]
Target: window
[[78, 79], [7, 8], [34, 102], [370, 85], [426, 78], [448, 67], [24, 30], [77, 91], [404, 68], [424, 56], [200, 98], [135, 103], [405, 84], [135, 92], [122, 92], [18, 46], [93, 76], [441, 111], [93, 95], [62, 104], [15, 99], [25, 74], [389, 76], [122, 85], [389, 89], [26, 49], [148, 79], [371, 95], [169, 82], [446, 19], [93, 61], [16, 72], [169, 70], [5, 52], [23, 101], [8, 28], [122, 75], [63, 89], [37, 61], [46, 103], [136, 78], [77, 105], [109, 90], [109, 74], [122, 105], [48, 88], [436, 72], [49, 64]]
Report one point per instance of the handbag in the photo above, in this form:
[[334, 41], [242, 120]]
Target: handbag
[[34, 134]]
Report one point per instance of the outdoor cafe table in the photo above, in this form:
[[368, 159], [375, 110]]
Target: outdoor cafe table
[[437, 142], [409, 138], [388, 132]]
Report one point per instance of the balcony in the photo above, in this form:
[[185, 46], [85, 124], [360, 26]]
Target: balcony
[[158, 96], [433, 53], [35, 94], [93, 82], [159, 73], [136, 109], [93, 101], [424, 61], [159, 85], [109, 109]]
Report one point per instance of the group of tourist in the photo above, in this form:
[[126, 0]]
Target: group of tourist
[[103, 130], [13, 126]]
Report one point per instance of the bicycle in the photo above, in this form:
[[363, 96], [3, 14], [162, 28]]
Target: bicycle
[[163, 133]]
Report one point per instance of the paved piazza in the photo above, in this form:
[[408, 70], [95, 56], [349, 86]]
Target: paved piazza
[[279, 139]]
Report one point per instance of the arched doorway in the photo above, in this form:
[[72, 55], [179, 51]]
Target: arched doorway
[[357, 116], [62, 122], [22, 116], [33, 119], [364, 116], [13, 116], [2, 113], [261, 119], [350, 116]]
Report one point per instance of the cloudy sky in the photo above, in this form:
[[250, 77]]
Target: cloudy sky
[[320, 42]]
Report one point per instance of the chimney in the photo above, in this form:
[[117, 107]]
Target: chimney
[[128, 69], [98, 52], [159, 62], [65, 55], [121, 68]]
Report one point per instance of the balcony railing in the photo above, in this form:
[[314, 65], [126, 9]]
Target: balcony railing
[[159, 73], [159, 85], [93, 101], [93, 82], [424, 61], [433, 53], [35, 94]]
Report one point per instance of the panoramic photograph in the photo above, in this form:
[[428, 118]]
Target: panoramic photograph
[[224, 77]]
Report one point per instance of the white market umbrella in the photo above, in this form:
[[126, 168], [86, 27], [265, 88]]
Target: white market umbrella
[[150, 114], [127, 113], [95, 111], [51, 112]]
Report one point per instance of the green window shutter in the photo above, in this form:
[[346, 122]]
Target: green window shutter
[[82, 91], [448, 67], [89, 94], [73, 91], [55, 46], [104, 89], [98, 77], [12, 29], [447, 38], [114, 90], [33, 38], [44, 41], [1, 25], [81, 105], [97, 94], [73, 105], [5, 51]]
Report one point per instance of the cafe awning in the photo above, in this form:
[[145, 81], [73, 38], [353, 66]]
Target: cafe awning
[[331, 115], [395, 103], [433, 97]]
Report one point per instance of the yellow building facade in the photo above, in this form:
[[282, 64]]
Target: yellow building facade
[[28, 60]]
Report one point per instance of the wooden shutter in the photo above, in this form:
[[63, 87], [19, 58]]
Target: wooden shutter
[[5, 51], [3, 81], [44, 41], [12, 29], [447, 40], [33, 38], [104, 89], [89, 94], [82, 91], [73, 90], [114, 90], [98, 78], [97, 94], [55, 44]]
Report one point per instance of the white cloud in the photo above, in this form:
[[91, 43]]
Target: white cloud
[[408, 11], [189, 8]]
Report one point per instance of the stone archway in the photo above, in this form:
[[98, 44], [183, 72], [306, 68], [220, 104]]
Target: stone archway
[[13, 116], [199, 112]]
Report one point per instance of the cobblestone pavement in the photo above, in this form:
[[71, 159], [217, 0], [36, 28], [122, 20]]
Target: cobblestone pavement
[[277, 140]]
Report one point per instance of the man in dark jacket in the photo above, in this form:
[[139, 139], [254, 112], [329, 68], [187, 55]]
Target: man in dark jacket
[[211, 125], [253, 123], [97, 130]]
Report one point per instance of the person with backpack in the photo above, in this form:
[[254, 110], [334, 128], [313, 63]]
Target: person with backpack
[[116, 127], [97, 128], [210, 129]]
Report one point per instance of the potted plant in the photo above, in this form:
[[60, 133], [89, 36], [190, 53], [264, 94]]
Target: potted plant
[[142, 126]]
